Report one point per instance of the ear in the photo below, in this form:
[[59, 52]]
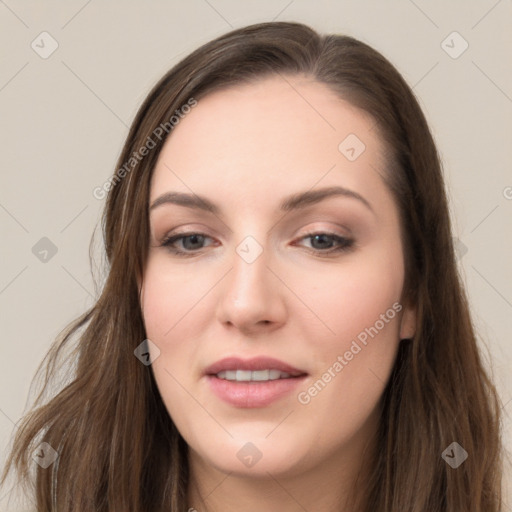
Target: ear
[[408, 322]]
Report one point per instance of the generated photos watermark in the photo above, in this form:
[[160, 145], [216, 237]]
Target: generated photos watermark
[[305, 397], [159, 133]]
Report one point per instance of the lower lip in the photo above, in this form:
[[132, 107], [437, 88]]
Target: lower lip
[[252, 393]]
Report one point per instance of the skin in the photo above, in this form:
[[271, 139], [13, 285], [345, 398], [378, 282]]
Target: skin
[[246, 148]]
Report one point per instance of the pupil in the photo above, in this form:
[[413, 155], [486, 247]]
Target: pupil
[[316, 237], [194, 239]]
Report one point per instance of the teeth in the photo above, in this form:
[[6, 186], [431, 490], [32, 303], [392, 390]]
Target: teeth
[[247, 375], [243, 375], [274, 374], [261, 375]]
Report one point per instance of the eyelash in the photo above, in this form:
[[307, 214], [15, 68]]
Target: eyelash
[[346, 244]]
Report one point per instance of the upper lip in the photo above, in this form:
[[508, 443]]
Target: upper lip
[[253, 364]]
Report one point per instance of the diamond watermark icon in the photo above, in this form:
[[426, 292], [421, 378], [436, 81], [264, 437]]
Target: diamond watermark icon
[[147, 352], [454, 45], [454, 455], [249, 249], [45, 455], [460, 248], [44, 250], [351, 147], [249, 455], [44, 45]]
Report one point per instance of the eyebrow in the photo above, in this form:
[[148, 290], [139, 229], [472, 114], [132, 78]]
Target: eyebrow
[[294, 202]]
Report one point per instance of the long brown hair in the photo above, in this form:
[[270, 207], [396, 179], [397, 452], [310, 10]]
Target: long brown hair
[[119, 450]]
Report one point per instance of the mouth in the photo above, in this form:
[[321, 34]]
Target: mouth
[[253, 376], [256, 382]]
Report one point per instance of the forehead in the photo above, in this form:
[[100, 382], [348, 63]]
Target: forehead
[[279, 133]]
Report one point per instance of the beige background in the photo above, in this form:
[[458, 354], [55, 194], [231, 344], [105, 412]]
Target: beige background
[[64, 119]]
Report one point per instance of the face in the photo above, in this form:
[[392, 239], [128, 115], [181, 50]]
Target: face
[[313, 281]]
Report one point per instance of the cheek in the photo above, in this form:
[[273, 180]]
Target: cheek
[[359, 308], [169, 295], [156, 301], [352, 297], [354, 357], [166, 300]]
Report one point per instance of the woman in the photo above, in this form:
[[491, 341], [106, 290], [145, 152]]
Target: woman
[[283, 326]]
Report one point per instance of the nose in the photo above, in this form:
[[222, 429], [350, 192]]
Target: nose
[[252, 295]]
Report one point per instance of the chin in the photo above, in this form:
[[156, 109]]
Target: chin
[[255, 458]]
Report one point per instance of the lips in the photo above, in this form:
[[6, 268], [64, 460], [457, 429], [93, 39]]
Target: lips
[[254, 364], [257, 390]]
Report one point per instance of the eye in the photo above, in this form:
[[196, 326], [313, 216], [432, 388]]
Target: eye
[[190, 242], [325, 243]]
